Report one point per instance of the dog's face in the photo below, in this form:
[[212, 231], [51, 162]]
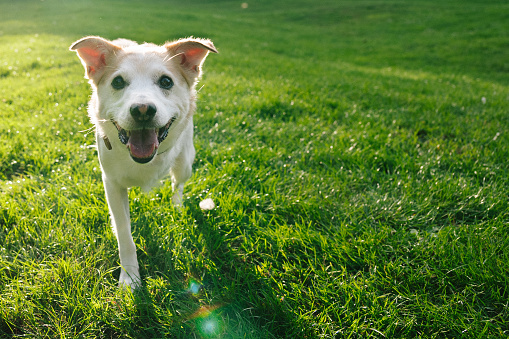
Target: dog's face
[[141, 90]]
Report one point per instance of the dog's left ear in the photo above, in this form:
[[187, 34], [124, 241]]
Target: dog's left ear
[[192, 53]]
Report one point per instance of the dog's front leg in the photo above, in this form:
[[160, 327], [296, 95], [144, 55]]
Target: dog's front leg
[[118, 202], [184, 169]]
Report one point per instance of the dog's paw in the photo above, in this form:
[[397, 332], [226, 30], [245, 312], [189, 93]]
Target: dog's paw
[[177, 200], [131, 280], [178, 192]]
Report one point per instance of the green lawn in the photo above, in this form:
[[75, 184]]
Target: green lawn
[[357, 152]]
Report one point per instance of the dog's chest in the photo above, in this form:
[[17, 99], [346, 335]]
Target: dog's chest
[[127, 173]]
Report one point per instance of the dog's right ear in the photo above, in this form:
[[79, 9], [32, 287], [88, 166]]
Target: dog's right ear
[[95, 53]]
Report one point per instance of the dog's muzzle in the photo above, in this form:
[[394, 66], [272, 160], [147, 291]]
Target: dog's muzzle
[[142, 143]]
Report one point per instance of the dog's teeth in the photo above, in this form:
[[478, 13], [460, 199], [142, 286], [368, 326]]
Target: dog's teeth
[[163, 131], [123, 136]]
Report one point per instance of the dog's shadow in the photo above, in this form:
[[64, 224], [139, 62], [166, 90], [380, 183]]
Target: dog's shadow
[[218, 295]]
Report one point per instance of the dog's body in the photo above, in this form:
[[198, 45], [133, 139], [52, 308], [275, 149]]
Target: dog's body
[[142, 107]]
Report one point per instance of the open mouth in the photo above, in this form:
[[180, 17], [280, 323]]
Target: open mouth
[[143, 143]]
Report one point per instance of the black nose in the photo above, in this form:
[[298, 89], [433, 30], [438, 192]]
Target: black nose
[[143, 112]]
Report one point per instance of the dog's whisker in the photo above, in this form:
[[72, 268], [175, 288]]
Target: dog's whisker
[[102, 121], [87, 130]]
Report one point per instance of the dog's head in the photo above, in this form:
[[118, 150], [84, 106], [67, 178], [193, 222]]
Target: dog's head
[[141, 90]]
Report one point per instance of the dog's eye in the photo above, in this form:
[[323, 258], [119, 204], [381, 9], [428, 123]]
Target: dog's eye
[[165, 82], [118, 83]]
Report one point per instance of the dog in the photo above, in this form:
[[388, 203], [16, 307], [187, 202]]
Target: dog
[[142, 105]]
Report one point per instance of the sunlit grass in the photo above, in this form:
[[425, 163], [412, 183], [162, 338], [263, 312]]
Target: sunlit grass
[[356, 153]]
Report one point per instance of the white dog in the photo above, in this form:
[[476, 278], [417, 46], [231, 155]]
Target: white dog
[[142, 107]]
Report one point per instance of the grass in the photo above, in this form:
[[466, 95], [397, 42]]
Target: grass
[[356, 151]]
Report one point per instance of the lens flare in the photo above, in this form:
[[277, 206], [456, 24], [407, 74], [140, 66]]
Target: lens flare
[[207, 321], [194, 287], [209, 327]]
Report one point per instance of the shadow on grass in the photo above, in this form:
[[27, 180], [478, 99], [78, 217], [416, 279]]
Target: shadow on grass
[[248, 290], [223, 296]]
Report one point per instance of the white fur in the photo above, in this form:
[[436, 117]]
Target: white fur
[[141, 66]]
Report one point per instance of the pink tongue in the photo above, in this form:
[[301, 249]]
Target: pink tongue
[[143, 143]]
